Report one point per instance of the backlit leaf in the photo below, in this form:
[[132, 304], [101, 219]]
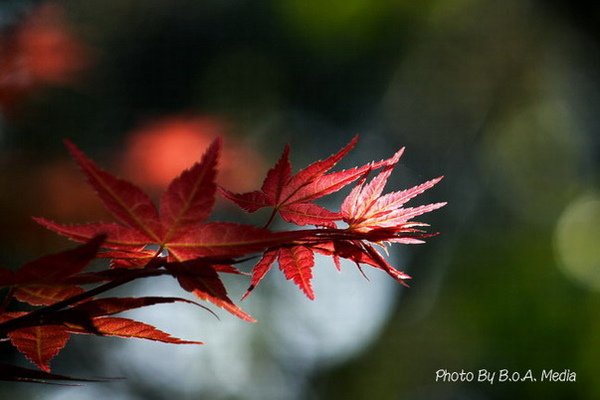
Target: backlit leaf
[[204, 282], [127, 328], [40, 343], [297, 263], [126, 201], [190, 197]]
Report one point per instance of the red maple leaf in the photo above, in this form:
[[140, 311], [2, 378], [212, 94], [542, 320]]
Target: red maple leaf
[[44, 280], [175, 239], [365, 209], [293, 196], [46, 338], [38, 343], [370, 218], [295, 262], [178, 225], [382, 219]]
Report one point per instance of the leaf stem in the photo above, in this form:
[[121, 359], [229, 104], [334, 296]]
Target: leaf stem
[[271, 217], [153, 268], [36, 317], [7, 299]]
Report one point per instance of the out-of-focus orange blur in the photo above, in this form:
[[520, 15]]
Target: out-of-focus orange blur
[[158, 151], [41, 50]]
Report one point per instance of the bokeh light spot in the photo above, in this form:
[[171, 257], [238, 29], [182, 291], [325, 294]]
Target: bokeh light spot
[[40, 50], [531, 160], [577, 239], [158, 151], [325, 26]]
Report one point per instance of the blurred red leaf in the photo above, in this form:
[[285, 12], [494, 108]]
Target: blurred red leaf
[[41, 50], [42, 281], [56, 267], [159, 150]]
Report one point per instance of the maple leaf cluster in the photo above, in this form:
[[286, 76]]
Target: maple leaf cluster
[[176, 239]]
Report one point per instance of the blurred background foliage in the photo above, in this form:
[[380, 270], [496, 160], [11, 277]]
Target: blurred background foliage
[[500, 97]]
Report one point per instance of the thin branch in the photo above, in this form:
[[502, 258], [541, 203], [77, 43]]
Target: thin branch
[[152, 268], [36, 317], [271, 217]]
